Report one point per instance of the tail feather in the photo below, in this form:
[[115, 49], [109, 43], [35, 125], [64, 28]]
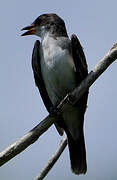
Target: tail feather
[[77, 154]]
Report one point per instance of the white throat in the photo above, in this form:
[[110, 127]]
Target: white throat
[[42, 32]]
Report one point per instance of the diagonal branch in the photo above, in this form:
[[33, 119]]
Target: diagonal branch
[[25, 141], [74, 96], [53, 160]]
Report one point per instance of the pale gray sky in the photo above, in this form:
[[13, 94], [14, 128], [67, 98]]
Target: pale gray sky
[[21, 107]]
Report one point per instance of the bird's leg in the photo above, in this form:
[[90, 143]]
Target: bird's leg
[[70, 99]]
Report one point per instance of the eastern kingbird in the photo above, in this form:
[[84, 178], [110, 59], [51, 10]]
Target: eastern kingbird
[[59, 66]]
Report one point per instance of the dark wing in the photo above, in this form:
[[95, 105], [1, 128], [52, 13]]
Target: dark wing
[[39, 81], [38, 76], [80, 65], [79, 58]]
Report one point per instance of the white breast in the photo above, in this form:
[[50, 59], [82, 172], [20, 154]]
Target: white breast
[[58, 70]]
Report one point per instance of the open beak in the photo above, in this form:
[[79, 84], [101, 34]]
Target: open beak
[[31, 30]]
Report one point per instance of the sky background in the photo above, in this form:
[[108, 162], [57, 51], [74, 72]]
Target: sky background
[[21, 107]]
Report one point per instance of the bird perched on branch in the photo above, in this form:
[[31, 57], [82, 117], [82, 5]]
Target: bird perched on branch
[[59, 66]]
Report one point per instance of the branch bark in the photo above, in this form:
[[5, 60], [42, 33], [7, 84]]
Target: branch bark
[[53, 160], [25, 141], [74, 96]]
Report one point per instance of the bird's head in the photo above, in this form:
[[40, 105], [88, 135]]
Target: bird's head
[[46, 23]]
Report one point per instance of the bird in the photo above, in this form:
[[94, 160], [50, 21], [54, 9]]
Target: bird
[[59, 66]]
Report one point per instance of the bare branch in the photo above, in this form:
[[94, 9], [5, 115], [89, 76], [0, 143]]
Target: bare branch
[[53, 159], [34, 134], [25, 141]]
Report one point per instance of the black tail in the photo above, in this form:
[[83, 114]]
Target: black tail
[[77, 154]]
